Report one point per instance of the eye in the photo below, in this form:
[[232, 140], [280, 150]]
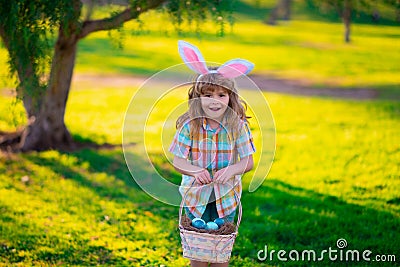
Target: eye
[[207, 95], [222, 95]]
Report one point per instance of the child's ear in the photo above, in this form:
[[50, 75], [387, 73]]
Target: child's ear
[[192, 57], [235, 68]]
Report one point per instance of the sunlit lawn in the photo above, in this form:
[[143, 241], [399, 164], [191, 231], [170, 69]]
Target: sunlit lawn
[[335, 175], [283, 51]]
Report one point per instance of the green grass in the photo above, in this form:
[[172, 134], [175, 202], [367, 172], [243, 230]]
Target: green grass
[[283, 51], [335, 175]]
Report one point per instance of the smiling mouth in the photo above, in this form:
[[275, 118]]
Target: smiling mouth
[[215, 109]]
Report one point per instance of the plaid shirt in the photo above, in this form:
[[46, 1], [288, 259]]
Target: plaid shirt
[[212, 150]]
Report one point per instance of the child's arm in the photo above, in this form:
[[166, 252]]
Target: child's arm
[[200, 174], [244, 165]]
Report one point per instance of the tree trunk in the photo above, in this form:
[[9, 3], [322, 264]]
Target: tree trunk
[[48, 130], [287, 9], [273, 16], [347, 19], [282, 7]]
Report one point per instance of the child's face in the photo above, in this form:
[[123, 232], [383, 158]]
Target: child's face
[[214, 103]]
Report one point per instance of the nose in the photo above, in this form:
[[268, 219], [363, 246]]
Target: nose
[[214, 100]]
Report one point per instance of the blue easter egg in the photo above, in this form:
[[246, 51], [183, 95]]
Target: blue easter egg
[[199, 223], [212, 226], [219, 221]]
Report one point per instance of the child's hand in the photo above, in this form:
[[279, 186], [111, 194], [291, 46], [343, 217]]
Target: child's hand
[[203, 177], [223, 175]]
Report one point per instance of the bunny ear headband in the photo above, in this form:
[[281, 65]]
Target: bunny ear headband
[[194, 60]]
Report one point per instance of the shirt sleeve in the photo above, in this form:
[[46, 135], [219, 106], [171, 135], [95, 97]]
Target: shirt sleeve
[[244, 143], [181, 143]]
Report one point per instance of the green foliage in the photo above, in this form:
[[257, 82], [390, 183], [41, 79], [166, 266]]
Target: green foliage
[[335, 175], [27, 29], [29, 26], [197, 11]]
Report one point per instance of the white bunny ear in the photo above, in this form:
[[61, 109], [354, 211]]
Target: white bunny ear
[[235, 68], [192, 57]]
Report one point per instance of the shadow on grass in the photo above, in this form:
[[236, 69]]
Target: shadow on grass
[[301, 88], [255, 11], [277, 214], [121, 60], [111, 162], [28, 239], [389, 92], [285, 217], [22, 236], [106, 161]]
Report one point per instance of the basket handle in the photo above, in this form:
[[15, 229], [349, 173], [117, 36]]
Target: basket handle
[[239, 218]]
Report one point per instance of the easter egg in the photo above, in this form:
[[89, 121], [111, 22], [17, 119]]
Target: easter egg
[[219, 222], [212, 226], [199, 223]]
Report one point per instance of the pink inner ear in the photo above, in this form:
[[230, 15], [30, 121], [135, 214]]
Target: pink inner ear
[[239, 67], [233, 70], [192, 57], [190, 54]]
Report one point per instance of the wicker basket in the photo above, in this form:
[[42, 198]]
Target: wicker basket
[[207, 247]]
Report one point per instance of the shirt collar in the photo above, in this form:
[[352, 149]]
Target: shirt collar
[[207, 126]]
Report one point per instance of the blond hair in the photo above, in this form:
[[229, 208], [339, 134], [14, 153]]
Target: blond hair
[[208, 83]]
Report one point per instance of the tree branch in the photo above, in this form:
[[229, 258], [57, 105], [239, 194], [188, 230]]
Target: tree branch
[[117, 20]]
